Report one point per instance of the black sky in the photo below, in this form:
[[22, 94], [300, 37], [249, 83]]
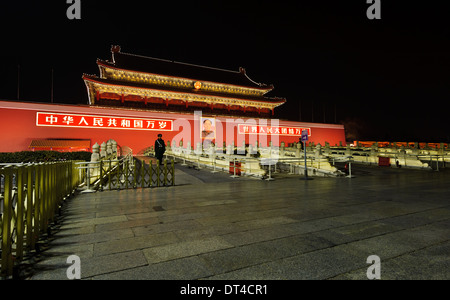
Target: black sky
[[387, 79]]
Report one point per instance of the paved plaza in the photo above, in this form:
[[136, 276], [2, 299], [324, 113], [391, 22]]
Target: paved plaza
[[211, 226]]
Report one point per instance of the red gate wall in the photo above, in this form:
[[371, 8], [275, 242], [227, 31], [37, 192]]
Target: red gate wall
[[18, 127]]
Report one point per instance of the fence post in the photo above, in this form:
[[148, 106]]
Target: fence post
[[81, 174], [29, 225], [142, 173], [109, 174], [158, 173], [135, 176], [214, 164], [6, 230], [69, 179], [270, 171], [126, 173], [165, 172], [234, 169], [173, 172], [100, 183], [53, 192], [150, 167], [118, 175], [37, 204], [44, 180], [20, 211]]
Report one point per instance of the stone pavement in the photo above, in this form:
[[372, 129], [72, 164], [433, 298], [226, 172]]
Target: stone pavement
[[210, 226]]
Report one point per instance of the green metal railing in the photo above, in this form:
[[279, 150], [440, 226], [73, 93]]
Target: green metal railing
[[134, 174], [127, 173], [155, 174], [30, 196]]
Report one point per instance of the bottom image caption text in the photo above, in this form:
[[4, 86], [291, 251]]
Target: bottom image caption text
[[226, 289]]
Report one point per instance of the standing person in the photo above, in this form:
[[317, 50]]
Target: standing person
[[301, 143], [160, 148]]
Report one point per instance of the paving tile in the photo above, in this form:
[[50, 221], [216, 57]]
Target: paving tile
[[166, 227], [429, 263], [97, 221], [320, 264], [401, 242], [184, 249], [96, 237], [98, 265], [189, 268], [134, 243]]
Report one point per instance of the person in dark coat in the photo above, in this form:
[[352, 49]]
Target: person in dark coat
[[160, 148], [301, 143]]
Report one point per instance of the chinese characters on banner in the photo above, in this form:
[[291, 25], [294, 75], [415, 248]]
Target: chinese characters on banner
[[272, 130], [88, 121]]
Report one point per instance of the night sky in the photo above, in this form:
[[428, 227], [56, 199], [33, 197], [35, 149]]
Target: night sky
[[385, 79]]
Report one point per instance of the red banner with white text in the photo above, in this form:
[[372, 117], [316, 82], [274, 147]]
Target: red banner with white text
[[105, 122]]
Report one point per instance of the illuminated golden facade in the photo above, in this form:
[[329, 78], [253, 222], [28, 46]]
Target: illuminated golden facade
[[132, 80]]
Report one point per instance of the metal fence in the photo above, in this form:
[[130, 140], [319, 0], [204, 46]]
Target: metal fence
[[30, 196], [126, 173]]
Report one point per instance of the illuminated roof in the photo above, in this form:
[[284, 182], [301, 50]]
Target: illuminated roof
[[163, 67], [137, 78]]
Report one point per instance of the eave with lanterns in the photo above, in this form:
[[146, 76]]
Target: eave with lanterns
[[131, 80]]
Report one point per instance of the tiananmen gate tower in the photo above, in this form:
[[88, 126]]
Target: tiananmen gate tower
[[136, 97]]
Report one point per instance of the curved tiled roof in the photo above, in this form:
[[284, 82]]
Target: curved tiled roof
[[133, 62]]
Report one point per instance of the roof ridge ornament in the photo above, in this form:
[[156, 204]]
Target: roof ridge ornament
[[115, 48]]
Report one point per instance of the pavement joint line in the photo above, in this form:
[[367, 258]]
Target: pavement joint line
[[390, 258]]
